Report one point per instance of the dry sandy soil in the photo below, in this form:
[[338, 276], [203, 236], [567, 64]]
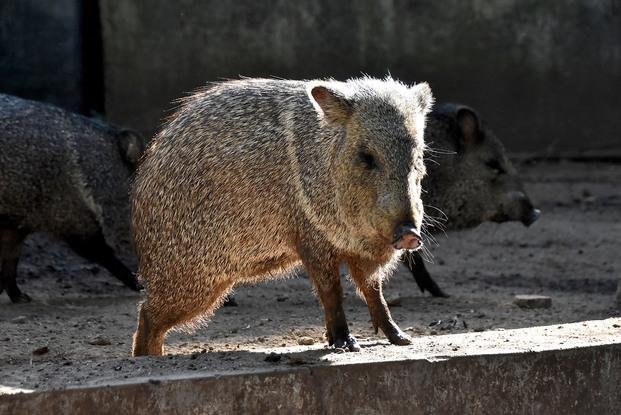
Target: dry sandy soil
[[78, 328]]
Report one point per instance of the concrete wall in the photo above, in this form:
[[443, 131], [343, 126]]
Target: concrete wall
[[546, 75], [40, 51]]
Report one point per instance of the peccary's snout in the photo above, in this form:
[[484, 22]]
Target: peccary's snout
[[516, 206], [407, 237], [531, 217]]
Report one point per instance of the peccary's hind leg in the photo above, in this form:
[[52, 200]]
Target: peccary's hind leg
[[414, 262], [149, 338], [10, 248], [371, 288], [156, 318], [327, 282], [96, 249]]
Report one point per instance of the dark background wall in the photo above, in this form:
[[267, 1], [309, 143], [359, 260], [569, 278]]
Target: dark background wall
[[545, 74], [51, 51]]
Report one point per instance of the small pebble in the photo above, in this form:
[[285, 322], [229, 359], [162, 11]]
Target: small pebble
[[19, 320], [306, 341], [532, 301], [99, 341], [40, 351]]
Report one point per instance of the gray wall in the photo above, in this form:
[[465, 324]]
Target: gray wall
[[40, 55], [545, 74]]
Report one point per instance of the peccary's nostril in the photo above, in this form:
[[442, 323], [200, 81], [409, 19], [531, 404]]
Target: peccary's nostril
[[407, 237], [531, 217]]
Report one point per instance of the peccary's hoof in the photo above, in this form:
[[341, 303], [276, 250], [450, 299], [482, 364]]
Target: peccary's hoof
[[348, 342], [436, 291], [399, 338], [20, 298]]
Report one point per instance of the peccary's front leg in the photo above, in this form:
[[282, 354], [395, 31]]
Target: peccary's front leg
[[371, 288], [97, 250], [414, 262], [10, 248], [327, 282]]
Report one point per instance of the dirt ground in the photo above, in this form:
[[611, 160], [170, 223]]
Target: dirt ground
[[78, 328]]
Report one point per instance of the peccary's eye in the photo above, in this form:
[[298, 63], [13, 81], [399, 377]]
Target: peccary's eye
[[495, 165], [367, 160]]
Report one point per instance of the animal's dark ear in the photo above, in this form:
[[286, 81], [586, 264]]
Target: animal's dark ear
[[469, 125], [131, 146], [336, 108]]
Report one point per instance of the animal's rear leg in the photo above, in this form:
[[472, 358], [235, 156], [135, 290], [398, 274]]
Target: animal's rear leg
[[156, 318], [149, 337], [97, 250], [10, 248]]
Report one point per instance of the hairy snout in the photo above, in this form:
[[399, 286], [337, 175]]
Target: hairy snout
[[516, 206], [406, 236]]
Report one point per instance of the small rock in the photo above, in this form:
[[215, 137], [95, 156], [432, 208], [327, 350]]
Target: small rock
[[282, 299], [394, 301], [532, 301], [19, 320], [306, 341], [99, 341], [273, 357], [40, 351], [454, 323]]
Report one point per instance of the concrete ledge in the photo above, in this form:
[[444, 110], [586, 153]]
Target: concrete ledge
[[573, 368]]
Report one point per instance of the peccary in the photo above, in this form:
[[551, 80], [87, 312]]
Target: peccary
[[470, 180], [251, 178], [66, 175]]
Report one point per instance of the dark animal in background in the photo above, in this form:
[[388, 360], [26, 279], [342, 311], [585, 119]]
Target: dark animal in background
[[469, 179], [251, 178], [68, 176]]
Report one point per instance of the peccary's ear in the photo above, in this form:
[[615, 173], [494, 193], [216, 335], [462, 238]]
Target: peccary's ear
[[131, 146], [424, 97], [333, 104], [469, 125]]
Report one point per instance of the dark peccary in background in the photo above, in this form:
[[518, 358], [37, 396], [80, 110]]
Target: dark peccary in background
[[253, 177], [68, 176], [469, 181]]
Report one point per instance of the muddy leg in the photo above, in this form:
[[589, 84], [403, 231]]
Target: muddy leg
[[96, 249], [327, 282], [10, 249], [414, 262], [371, 289]]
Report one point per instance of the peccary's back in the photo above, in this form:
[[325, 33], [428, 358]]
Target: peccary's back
[[220, 173], [42, 183]]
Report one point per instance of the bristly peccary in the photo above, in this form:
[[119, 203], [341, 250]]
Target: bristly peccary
[[469, 179], [66, 175], [251, 178]]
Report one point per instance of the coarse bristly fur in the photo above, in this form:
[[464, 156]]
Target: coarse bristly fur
[[68, 176], [253, 177]]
